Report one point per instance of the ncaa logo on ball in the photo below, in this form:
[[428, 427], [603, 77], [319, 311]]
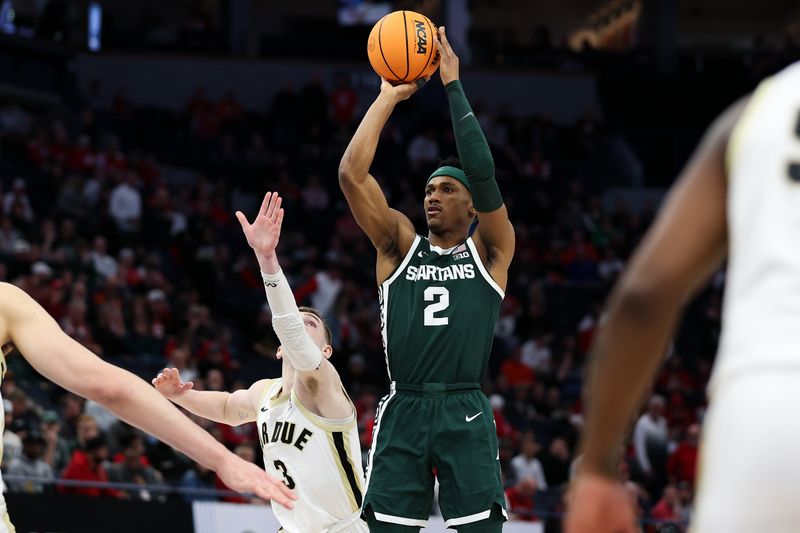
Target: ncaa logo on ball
[[422, 37]]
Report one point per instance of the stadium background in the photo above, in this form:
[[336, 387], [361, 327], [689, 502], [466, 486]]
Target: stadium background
[[130, 133]]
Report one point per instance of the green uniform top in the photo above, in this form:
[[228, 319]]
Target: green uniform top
[[438, 312]]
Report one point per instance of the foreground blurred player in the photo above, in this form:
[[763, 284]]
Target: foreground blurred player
[[739, 194], [26, 326], [440, 297], [307, 423]]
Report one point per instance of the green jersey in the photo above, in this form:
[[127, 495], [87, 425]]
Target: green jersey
[[438, 312]]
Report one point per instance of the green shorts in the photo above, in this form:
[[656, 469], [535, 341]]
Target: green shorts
[[446, 429]]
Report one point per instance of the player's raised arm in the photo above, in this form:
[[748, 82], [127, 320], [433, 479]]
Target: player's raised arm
[[390, 231], [495, 234], [232, 408], [685, 245], [64, 361], [319, 383]]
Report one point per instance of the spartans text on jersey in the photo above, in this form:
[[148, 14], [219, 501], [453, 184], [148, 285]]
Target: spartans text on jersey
[[437, 273]]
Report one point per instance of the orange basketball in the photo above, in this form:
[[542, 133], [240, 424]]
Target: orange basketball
[[401, 47]]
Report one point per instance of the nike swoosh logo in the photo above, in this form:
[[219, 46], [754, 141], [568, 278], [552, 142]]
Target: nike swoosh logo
[[422, 254], [264, 409], [465, 116], [473, 417]]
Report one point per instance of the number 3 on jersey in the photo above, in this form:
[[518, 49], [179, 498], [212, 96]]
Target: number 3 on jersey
[[287, 479], [440, 297]]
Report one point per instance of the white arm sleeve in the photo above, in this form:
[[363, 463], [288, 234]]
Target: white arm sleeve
[[287, 322]]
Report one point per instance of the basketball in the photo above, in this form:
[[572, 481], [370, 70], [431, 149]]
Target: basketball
[[401, 47]]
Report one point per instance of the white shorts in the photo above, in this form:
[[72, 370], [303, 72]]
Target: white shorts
[[749, 467]]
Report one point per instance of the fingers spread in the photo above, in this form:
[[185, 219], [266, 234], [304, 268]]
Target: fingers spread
[[265, 204]]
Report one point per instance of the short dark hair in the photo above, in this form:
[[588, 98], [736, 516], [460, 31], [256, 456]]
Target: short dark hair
[[451, 161], [316, 313]]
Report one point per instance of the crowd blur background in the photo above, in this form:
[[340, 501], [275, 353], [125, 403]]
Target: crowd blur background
[[116, 208]]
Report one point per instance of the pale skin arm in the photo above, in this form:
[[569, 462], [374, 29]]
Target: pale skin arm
[[390, 231], [320, 390], [64, 361], [232, 408], [494, 236], [643, 311]]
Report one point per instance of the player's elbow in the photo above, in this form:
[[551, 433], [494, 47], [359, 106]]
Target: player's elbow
[[346, 176], [109, 394], [644, 301]]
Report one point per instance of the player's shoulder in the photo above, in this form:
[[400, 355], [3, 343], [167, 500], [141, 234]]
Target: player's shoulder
[[12, 297]]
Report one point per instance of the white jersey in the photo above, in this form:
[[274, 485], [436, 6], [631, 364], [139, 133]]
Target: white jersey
[[761, 313], [318, 458], [5, 522]]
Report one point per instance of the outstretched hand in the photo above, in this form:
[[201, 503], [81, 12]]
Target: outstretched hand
[[448, 66], [168, 382], [403, 91], [242, 476], [265, 231], [596, 504]]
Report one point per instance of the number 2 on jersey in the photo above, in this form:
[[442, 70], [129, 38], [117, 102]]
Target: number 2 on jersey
[[287, 479], [440, 297]]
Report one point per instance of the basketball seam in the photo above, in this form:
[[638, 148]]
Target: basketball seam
[[405, 28], [380, 45], [432, 49]]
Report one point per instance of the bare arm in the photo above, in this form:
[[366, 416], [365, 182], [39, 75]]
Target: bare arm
[[232, 408], [315, 379], [494, 236], [61, 359], [683, 248], [390, 231]]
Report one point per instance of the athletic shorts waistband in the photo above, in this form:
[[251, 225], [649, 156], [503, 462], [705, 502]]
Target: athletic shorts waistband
[[432, 389]]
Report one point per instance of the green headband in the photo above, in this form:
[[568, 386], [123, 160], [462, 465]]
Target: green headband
[[452, 172]]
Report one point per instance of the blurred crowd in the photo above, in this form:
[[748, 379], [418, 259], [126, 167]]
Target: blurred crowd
[[119, 221]]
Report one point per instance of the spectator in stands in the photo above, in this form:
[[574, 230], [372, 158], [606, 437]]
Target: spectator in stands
[[16, 203], [56, 450], [86, 429], [519, 499], [29, 464], [526, 465], [86, 464], [682, 464], [125, 204], [133, 469], [12, 443], [198, 478], [650, 439], [555, 463]]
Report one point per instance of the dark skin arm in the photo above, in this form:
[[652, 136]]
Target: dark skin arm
[[494, 236], [390, 231], [686, 244]]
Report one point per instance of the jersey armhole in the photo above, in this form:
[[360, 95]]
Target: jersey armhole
[[326, 424], [485, 273], [264, 396], [733, 147], [388, 281]]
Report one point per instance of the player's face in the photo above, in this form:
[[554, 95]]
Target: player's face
[[315, 328], [448, 204]]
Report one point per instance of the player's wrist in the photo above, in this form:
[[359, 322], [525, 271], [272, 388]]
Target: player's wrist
[[450, 81]]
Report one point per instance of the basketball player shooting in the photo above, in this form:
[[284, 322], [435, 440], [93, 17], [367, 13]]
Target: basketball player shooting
[[440, 298], [306, 422], [738, 197], [26, 327]]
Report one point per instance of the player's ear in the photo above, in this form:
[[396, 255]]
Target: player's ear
[[279, 353], [327, 351]]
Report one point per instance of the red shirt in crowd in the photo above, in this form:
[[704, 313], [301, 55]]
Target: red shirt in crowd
[[81, 468]]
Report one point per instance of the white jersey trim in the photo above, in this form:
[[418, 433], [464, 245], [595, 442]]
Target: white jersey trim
[[400, 520], [483, 515], [404, 262], [483, 270], [381, 411]]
